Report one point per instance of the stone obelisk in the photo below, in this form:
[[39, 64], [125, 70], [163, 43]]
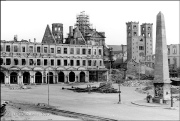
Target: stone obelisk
[[161, 74]]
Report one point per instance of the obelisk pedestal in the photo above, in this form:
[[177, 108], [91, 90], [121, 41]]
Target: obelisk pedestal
[[161, 75]]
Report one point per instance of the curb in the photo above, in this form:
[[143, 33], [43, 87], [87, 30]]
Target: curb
[[144, 105]]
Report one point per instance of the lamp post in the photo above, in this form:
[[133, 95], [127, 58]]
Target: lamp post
[[119, 93], [139, 69], [97, 76], [171, 97]]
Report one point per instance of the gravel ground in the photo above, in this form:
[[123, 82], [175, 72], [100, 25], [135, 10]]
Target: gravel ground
[[99, 104]]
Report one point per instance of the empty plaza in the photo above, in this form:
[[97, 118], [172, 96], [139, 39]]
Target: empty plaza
[[98, 104]]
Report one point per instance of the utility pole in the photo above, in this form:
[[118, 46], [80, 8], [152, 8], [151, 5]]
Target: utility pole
[[48, 80]]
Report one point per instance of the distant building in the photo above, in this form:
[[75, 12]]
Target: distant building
[[119, 55], [78, 59], [174, 59]]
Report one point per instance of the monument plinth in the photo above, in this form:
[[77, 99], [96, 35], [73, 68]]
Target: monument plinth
[[161, 73]]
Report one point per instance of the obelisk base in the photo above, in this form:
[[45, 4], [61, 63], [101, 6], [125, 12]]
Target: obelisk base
[[162, 93]]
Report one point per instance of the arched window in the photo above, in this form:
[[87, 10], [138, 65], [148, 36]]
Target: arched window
[[23, 61], [15, 48], [94, 62], [149, 35], [15, 61], [174, 50], [1, 61], [8, 61], [168, 51], [129, 34], [100, 63]]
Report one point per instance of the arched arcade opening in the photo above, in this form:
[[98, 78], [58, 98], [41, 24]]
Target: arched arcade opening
[[60, 77], [82, 77], [38, 77], [71, 76], [50, 77], [26, 78], [2, 77], [13, 78]]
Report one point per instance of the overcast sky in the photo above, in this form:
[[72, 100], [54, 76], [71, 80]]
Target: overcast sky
[[29, 19]]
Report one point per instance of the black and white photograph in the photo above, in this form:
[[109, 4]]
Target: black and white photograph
[[90, 60]]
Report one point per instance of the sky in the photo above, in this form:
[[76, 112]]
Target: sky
[[28, 19]]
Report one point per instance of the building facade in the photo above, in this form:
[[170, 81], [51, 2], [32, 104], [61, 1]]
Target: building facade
[[139, 46], [174, 55], [52, 60]]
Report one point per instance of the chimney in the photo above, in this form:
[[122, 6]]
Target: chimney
[[70, 31], [34, 40], [15, 37], [29, 40]]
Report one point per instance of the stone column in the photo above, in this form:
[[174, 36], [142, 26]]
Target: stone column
[[87, 76], [161, 75], [77, 78], [20, 78], [67, 78], [6, 79], [107, 75]]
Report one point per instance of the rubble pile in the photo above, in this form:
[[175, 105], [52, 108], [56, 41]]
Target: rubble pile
[[105, 87], [136, 83], [18, 87], [144, 90], [3, 108]]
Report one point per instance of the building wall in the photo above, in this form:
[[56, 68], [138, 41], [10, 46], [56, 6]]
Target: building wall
[[139, 46], [174, 55], [15, 51]]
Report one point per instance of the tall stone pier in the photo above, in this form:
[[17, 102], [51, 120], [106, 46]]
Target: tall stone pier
[[161, 75]]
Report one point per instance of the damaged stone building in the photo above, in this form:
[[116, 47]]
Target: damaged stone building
[[77, 58]]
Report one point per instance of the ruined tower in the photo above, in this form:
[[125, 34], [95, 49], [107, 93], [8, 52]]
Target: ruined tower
[[146, 32], [82, 22], [57, 31], [161, 74], [139, 46], [132, 40]]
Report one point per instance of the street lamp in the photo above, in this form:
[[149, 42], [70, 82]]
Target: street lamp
[[119, 93], [97, 74], [171, 97]]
